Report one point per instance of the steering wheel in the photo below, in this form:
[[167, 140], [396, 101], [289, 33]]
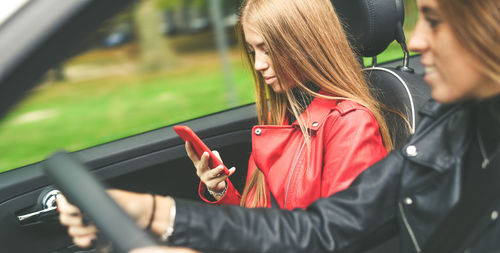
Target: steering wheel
[[81, 188]]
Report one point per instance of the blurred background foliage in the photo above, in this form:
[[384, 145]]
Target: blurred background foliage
[[153, 65]]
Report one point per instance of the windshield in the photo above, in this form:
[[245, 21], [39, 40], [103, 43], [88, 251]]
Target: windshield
[[7, 8]]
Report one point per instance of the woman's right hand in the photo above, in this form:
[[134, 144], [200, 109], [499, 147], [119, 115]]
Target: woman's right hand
[[213, 178], [70, 216], [137, 205]]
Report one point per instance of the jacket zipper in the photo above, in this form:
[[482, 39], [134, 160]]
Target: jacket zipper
[[293, 169], [407, 225]]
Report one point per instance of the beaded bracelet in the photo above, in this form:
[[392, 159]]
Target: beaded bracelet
[[153, 211], [218, 194]]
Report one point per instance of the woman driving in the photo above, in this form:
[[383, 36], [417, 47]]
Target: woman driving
[[439, 193]]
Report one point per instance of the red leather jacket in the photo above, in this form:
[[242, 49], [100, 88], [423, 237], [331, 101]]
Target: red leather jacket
[[345, 140]]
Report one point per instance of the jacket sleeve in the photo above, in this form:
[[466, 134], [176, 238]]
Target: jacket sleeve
[[360, 216], [352, 143], [232, 196]]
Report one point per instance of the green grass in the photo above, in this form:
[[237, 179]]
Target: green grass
[[87, 113]]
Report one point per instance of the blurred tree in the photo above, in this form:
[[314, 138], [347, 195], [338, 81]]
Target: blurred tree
[[154, 51], [231, 6], [190, 15]]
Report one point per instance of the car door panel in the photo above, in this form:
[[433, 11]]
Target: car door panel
[[155, 161], [32, 237]]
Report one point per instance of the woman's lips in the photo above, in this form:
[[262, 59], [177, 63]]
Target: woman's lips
[[430, 71], [270, 79]]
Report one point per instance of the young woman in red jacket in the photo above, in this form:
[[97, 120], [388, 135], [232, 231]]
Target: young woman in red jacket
[[319, 127]]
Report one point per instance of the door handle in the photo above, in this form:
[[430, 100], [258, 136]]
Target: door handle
[[49, 209], [24, 218]]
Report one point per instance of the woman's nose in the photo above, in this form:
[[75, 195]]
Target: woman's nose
[[418, 42], [260, 63]]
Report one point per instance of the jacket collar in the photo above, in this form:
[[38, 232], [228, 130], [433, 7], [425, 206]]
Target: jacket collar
[[442, 137], [315, 114]]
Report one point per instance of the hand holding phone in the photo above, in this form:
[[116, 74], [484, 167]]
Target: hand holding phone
[[199, 147]]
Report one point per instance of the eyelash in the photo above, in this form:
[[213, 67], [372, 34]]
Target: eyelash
[[433, 22], [252, 53]]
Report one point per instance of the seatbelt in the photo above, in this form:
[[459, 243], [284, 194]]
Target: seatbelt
[[462, 219]]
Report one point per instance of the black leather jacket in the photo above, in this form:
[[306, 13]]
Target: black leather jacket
[[407, 193]]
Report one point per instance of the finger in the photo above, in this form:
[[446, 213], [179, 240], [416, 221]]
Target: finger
[[212, 183], [231, 171], [216, 153], [202, 165], [191, 153], [223, 177], [84, 241], [79, 231], [63, 206], [70, 220], [217, 172]]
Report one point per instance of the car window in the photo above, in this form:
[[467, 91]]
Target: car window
[[155, 64]]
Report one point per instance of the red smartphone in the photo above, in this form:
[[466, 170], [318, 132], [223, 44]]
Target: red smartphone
[[199, 147]]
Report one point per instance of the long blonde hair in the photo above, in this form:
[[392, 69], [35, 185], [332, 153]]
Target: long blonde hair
[[476, 24], [307, 43]]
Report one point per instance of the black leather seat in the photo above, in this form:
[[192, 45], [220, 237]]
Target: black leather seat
[[371, 25]]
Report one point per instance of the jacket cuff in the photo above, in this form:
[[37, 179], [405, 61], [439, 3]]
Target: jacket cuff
[[232, 196], [181, 223]]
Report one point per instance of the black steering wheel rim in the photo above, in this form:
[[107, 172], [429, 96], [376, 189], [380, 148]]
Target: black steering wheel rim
[[81, 188]]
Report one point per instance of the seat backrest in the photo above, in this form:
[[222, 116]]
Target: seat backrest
[[371, 25], [403, 94]]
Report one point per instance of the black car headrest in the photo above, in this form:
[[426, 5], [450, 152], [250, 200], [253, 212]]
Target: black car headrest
[[371, 25]]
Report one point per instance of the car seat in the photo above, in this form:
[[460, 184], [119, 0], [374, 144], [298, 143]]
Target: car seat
[[371, 25]]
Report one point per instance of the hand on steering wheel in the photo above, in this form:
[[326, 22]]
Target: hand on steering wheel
[[114, 215], [83, 234]]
